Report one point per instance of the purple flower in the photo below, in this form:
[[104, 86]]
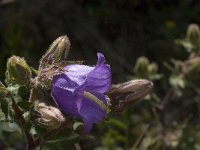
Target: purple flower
[[80, 91]]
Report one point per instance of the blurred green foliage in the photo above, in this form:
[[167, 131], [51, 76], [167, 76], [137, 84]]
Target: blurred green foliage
[[167, 119], [123, 30]]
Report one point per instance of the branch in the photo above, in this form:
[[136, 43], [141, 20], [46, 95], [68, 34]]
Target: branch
[[21, 122], [167, 99]]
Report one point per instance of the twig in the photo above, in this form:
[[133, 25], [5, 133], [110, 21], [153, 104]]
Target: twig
[[77, 146], [162, 109], [167, 99], [21, 122], [169, 67], [140, 137]]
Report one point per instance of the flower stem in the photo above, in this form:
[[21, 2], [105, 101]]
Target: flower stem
[[31, 143], [21, 122]]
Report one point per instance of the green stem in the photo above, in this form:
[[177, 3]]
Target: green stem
[[31, 143], [21, 122]]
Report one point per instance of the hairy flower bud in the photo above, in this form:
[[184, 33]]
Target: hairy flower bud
[[145, 69], [49, 116], [141, 67], [125, 94], [153, 68], [18, 71], [191, 68], [193, 36], [56, 53]]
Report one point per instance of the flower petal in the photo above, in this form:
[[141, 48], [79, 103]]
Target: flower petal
[[91, 113], [98, 77], [63, 94], [77, 73]]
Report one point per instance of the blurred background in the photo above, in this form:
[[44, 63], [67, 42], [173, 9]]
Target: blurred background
[[123, 30]]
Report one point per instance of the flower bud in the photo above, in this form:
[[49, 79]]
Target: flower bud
[[193, 36], [56, 53], [125, 94], [153, 68], [18, 72], [141, 67], [49, 116], [191, 67]]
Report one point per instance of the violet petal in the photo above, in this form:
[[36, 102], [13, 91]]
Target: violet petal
[[63, 93], [98, 78], [91, 113]]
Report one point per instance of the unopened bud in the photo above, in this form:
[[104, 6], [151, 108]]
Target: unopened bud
[[193, 36], [56, 53], [49, 116], [191, 67], [125, 94], [153, 68], [18, 71], [141, 67]]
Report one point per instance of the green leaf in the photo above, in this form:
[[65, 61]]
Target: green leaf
[[117, 123], [9, 126], [4, 108], [23, 91], [25, 105], [76, 125], [35, 71], [186, 44], [64, 139], [13, 89]]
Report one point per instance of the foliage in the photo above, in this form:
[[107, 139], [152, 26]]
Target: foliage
[[169, 117], [124, 30], [60, 93]]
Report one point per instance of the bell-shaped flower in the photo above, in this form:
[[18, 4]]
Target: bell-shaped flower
[[80, 91]]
